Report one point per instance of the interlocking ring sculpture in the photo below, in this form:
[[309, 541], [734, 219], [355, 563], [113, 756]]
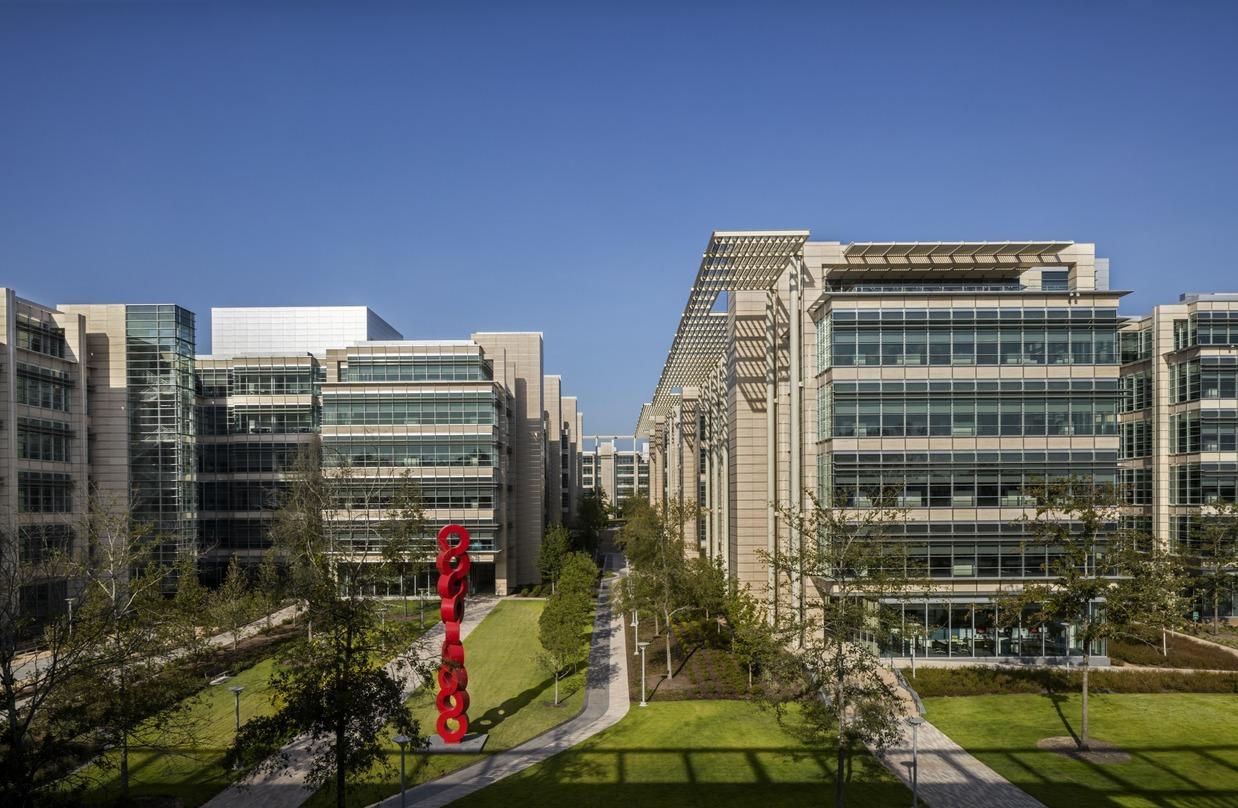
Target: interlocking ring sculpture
[[452, 700]]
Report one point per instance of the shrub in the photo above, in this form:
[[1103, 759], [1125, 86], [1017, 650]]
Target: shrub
[[1183, 653], [985, 681]]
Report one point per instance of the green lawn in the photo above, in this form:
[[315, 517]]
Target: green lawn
[[510, 698], [713, 754], [1184, 746], [191, 773]]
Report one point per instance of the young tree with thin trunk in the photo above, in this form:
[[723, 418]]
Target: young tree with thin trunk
[[653, 541], [232, 605], [556, 545], [560, 630], [752, 642], [1076, 519], [831, 667], [343, 533], [1216, 557]]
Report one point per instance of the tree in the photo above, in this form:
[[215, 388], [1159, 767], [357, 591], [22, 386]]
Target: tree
[[190, 600], [753, 642], [829, 668], [232, 605], [335, 690], [592, 517], [1216, 559], [1149, 600], [141, 639], [579, 575], [653, 541], [560, 631], [1075, 519], [705, 585], [556, 544], [269, 589], [39, 727]]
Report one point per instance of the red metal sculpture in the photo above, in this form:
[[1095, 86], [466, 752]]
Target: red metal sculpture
[[453, 680]]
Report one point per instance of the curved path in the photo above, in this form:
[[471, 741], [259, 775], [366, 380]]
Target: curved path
[[606, 701], [285, 786]]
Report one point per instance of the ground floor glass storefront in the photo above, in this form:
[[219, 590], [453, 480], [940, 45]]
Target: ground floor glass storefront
[[973, 628]]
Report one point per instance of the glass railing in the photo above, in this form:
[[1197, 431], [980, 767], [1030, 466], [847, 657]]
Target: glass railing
[[896, 288]]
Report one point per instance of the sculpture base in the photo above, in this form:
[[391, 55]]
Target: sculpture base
[[470, 744]]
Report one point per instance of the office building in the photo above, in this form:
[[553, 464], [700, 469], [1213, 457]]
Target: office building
[[43, 455], [294, 329], [615, 465], [1179, 420], [143, 430], [953, 373]]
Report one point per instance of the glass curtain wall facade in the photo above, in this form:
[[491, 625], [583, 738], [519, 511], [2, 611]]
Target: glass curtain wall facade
[[256, 415], [1183, 361], [159, 347]]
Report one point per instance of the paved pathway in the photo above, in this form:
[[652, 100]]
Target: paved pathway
[[606, 701], [950, 777], [285, 787]]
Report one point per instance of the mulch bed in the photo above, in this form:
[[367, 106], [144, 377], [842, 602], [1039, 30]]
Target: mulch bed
[[703, 666], [1099, 752]]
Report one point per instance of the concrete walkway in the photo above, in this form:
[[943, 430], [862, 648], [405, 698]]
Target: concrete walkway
[[950, 777], [285, 787], [606, 701]]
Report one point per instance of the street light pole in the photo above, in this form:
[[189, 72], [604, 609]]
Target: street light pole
[[635, 630], [915, 721], [643, 700], [236, 693], [402, 740], [70, 602]]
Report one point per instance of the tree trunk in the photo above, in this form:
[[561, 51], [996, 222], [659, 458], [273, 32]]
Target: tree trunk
[[124, 768], [840, 783], [1083, 734], [1216, 612], [669, 673], [1164, 643], [749, 675], [556, 688]]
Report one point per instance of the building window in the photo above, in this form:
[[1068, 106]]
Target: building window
[[44, 492]]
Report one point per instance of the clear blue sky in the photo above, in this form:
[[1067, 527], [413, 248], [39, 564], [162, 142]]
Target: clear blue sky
[[499, 166]]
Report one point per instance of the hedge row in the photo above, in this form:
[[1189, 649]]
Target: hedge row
[[985, 681]]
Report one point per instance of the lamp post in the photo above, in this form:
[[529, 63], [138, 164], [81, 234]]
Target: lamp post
[[642, 646], [915, 721], [70, 602], [635, 630], [236, 694], [403, 741]]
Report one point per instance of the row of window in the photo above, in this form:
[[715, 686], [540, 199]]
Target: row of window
[[949, 488], [40, 338], [973, 346], [1191, 381], [1188, 433], [367, 411], [44, 492], [1137, 391], [1135, 345], [974, 417], [39, 543], [1136, 439], [429, 369], [1136, 486], [957, 387], [43, 440], [443, 497], [1206, 328], [256, 421], [1203, 483], [258, 381], [39, 390], [414, 454], [959, 314], [240, 458]]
